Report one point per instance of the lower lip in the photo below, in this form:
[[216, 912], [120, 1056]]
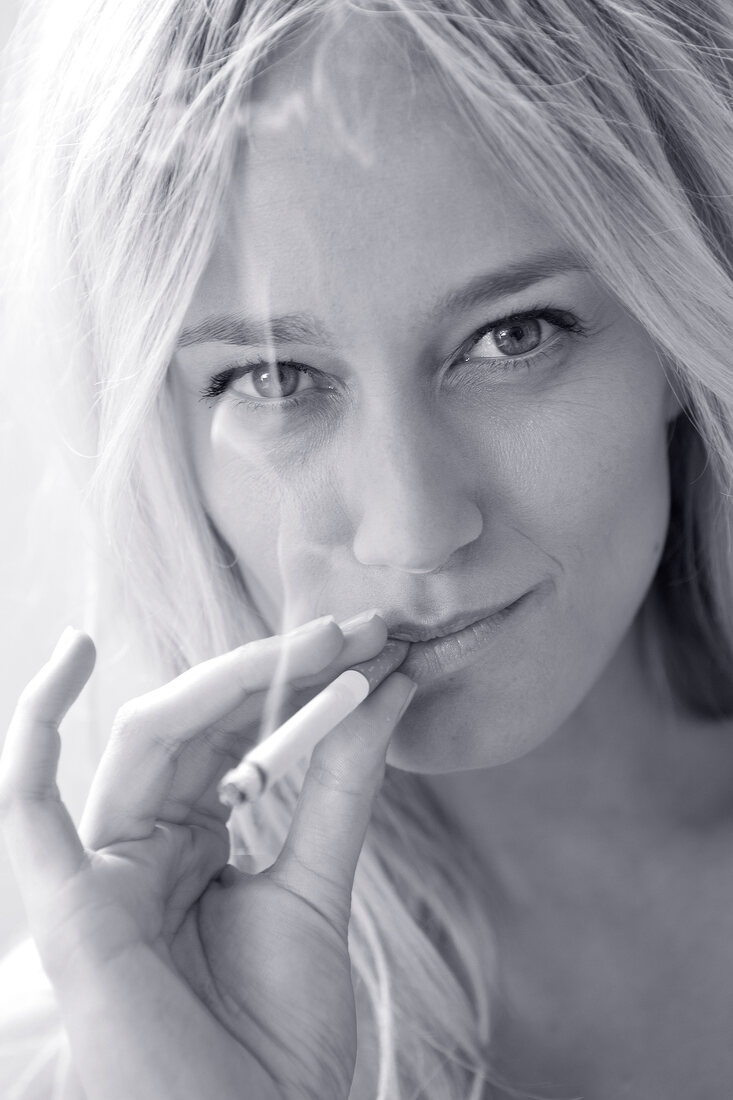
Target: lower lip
[[428, 661]]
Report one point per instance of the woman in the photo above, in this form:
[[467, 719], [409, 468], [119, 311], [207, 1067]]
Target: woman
[[412, 320]]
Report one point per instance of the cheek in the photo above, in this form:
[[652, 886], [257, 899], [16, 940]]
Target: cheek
[[596, 502], [282, 518], [585, 500], [599, 510], [611, 498], [601, 503]]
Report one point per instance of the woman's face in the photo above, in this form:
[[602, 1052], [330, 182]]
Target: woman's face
[[415, 451]]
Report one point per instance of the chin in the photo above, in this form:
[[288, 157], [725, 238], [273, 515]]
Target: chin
[[440, 735]]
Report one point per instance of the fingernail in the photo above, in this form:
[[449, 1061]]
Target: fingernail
[[361, 619], [312, 627], [66, 639], [408, 700]]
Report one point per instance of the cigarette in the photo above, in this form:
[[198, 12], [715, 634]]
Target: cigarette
[[273, 757]]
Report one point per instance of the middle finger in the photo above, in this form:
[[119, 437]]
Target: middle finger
[[149, 733], [170, 747]]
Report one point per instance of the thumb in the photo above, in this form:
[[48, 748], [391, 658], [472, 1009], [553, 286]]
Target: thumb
[[319, 857]]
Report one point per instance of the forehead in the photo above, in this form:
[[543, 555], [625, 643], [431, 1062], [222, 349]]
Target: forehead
[[358, 168]]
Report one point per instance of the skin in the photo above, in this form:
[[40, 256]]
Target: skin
[[175, 973], [426, 491], [424, 485], [422, 489]]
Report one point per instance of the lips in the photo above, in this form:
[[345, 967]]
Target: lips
[[426, 632], [447, 647]]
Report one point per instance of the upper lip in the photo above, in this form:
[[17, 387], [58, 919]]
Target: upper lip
[[411, 631]]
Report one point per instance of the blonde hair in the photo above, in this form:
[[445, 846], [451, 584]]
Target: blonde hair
[[616, 117]]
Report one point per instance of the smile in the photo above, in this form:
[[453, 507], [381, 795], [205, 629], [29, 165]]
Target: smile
[[428, 632], [443, 648]]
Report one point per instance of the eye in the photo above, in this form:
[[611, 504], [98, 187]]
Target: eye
[[515, 337], [274, 380], [520, 335], [262, 381]]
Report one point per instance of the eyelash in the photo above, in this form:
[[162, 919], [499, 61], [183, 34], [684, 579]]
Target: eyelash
[[220, 382], [562, 319]]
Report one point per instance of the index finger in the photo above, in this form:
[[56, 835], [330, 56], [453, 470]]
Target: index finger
[[140, 764]]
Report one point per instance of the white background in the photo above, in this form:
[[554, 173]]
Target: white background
[[41, 577]]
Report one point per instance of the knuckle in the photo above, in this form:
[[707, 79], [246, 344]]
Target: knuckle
[[138, 720], [241, 664], [243, 670], [130, 720], [27, 705], [26, 697], [322, 892], [13, 797], [334, 780], [33, 701]]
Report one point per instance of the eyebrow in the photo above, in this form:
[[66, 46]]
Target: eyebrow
[[305, 328]]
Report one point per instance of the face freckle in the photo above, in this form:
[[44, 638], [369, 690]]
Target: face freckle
[[405, 476]]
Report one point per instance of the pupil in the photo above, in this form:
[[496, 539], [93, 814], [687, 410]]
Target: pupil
[[518, 337], [278, 381]]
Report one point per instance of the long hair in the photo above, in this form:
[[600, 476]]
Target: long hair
[[124, 121]]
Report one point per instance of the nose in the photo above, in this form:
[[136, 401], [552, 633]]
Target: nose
[[410, 496]]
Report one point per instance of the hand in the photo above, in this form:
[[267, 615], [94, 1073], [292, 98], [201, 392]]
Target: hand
[[202, 969]]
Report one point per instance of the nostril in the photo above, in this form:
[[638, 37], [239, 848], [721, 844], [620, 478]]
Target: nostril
[[416, 543]]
